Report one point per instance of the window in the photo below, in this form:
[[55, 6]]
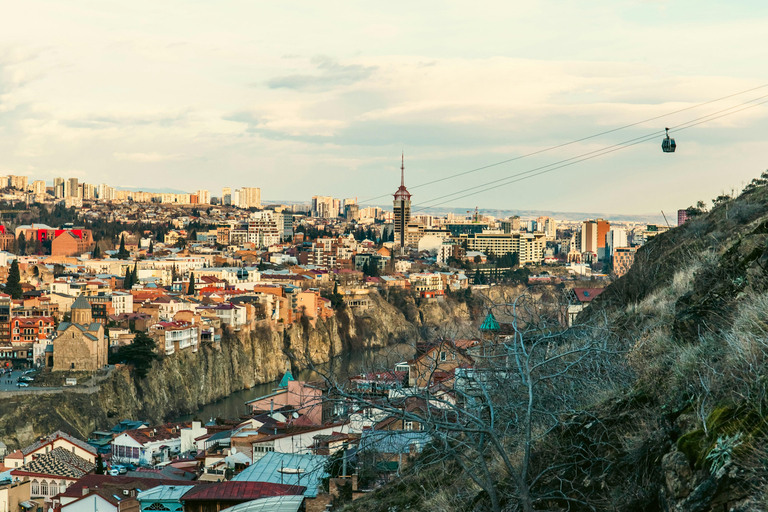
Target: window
[[35, 488], [62, 487], [408, 425], [443, 356], [44, 488]]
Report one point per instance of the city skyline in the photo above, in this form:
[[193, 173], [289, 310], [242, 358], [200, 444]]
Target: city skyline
[[178, 97]]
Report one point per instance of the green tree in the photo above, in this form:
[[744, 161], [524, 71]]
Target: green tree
[[141, 353], [191, 288], [127, 280], [13, 285], [122, 253], [151, 247], [22, 244], [96, 251]]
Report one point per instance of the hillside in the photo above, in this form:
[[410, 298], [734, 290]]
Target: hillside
[[675, 417]]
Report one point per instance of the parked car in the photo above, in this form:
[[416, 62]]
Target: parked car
[[22, 385], [114, 471], [128, 466]]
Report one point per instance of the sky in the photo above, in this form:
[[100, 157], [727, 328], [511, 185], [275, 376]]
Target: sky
[[321, 98]]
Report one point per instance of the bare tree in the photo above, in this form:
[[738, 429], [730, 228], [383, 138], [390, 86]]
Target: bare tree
[[489, 403]]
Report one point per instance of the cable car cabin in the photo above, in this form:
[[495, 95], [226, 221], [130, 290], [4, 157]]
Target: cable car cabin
[[668, 145]]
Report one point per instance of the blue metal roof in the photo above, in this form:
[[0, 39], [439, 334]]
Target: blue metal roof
[[281, 468]]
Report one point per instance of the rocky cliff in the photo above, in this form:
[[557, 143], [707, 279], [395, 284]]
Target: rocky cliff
[[183, 382]]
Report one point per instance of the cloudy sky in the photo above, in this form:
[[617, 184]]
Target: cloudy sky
[[305, 98]]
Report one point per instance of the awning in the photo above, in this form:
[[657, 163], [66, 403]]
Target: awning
[[28, 504]]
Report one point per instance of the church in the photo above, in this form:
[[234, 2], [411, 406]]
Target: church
[[80, 345]]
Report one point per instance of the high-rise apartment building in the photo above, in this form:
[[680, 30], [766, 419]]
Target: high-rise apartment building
[[58, 188], [38, 187], [617, 237], [18, 182], [247, 197], [226, 196], [589, 236], [682, 217], [323, 207], [203, 196], [71, 188], [548, 226], [402, 207]]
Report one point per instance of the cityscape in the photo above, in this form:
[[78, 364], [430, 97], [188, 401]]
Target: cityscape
[[346, 257]]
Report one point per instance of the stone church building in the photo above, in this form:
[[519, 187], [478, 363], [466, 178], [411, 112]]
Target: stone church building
[[80, 345]]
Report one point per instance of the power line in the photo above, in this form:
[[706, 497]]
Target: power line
[[605, 151], [463, 173]]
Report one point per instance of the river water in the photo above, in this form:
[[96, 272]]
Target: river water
[[344, 366]]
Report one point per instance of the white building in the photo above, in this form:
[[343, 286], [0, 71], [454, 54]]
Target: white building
[[148, 446], [616, 237]]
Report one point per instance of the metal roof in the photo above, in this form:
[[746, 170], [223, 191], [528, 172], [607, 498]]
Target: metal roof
[[281, 468], [273, 504], [490, 323], [164, 493]]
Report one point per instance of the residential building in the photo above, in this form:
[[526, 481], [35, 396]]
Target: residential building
[[623, 258], [53, 472], [172, 337], [616, 237], [528, 246], [150, 445], [15, 496], [589, 242]]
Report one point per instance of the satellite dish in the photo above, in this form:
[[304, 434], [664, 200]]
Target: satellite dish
[[233, 450], [295, 415]]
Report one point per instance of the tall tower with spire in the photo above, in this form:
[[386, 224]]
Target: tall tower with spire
[[402, 206]]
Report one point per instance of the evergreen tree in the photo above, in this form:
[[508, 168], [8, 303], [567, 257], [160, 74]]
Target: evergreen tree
[[13, 285], [135, 275], [366, 269], [99, 465], [96, 251], [122, 253], [140, 354], [22, 244], [191, 289], [151, 247], [127, 284]]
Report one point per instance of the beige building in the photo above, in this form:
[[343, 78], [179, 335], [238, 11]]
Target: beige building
[[623, 258], [80, 344], [13, 494], [528, 246]]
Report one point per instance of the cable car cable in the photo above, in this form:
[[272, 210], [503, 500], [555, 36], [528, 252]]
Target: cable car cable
[[679, 128], [463, 173], [622, 144]]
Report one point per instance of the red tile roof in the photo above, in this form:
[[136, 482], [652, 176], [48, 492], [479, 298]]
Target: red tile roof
[[587, 294], [241, 491]]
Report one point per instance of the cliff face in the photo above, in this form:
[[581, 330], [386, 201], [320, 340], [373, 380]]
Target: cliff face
[[182, 383]]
